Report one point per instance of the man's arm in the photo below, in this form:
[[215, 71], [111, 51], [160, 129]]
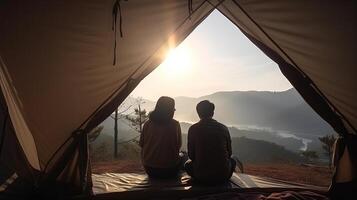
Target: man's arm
[[191, 144], [229, 143]]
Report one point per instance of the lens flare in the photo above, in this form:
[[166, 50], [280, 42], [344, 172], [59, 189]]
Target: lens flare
[[177, 62]]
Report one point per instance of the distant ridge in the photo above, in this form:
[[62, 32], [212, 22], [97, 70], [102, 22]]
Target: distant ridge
[[281, 110], [277, 110], [246, 92]]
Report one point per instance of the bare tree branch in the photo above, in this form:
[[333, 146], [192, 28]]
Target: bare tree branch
[[126, 109]]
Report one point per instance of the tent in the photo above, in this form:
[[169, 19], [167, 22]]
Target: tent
[[66, 65]]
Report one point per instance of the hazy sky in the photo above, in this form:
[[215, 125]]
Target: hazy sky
[[216, 56]]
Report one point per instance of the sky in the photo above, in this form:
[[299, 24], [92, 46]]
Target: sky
[[216, 56]]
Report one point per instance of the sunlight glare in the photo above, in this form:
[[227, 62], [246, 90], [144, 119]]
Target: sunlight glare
[[177, 62]]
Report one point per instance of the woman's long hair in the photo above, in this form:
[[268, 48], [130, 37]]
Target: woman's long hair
[[164, 110]]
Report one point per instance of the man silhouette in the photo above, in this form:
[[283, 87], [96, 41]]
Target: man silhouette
[[209, 148]]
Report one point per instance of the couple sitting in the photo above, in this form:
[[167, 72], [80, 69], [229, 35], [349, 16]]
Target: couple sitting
[[209, 145]]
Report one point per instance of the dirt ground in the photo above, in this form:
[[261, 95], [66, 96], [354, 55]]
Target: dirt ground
[[312, 175]]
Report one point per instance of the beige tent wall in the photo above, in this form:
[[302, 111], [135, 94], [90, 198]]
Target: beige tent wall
[[318, 37], [22, 131], [59, 55]]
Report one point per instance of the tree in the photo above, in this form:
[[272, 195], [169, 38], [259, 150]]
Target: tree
[[136, 122], [118, 114], [140, 116], [309, 155], [116, 133], [328, 142]]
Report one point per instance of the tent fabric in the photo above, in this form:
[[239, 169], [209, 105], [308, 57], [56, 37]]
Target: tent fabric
[[70, 65], [344, 183], [21, 129], [345, 162], [126, 182], [58, 78], [130, 185], [16, 173], [311, 41], [285, 195]]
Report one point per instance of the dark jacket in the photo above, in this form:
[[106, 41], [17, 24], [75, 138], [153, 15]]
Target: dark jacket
[[209, 148]]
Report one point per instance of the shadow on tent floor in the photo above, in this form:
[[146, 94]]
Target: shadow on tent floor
[[139, 186]]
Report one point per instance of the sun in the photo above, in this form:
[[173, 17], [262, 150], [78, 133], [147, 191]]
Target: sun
[[177, 62]]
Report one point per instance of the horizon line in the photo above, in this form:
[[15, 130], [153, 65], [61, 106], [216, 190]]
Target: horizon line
[[227, 91]]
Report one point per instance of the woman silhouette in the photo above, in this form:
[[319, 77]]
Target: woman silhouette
[[160, 141]]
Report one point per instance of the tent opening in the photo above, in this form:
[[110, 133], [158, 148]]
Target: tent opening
[[66, 66], [274, 132]]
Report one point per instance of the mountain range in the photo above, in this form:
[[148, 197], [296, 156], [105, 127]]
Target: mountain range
[[282, 118], [283, 111], [249, 146]]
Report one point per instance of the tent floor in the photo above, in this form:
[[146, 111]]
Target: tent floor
[[139, 186]]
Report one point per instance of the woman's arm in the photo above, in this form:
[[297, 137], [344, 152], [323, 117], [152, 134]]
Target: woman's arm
[[190, 144], [141, 141], [179, 135]]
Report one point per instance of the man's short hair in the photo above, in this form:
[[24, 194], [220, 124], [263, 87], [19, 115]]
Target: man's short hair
[[205, 109]]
